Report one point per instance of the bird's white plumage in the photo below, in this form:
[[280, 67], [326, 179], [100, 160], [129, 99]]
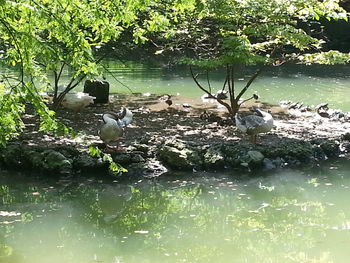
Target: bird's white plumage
[[127, 119], [114, 124], [111, 130], [77, 101]]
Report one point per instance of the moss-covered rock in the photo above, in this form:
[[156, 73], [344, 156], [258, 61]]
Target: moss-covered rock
[[330, 148], [56, 162], [213, 157], [346, 136], [13, 156], [293, 150], [85, 162], [178, 155]]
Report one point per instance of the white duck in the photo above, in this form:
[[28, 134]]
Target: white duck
[[113, 128], [254, 124], [77, 101]]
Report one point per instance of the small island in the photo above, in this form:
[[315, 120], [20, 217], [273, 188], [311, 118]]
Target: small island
[[163, 138]]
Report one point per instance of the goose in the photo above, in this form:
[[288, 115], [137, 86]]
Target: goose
[[77, 101], [254, 124], [113, 128]]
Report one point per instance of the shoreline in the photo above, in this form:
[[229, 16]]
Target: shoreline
[[162, 139]]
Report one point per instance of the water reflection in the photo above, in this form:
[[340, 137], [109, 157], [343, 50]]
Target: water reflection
[[279, 216]]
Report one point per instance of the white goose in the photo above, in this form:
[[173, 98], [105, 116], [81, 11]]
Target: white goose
[[77, 101], [254, 124], [113, 128]]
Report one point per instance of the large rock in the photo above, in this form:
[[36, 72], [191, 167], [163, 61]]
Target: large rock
[[85, 162], [178, 155], [256, 157], [13, 156], [56, 162], [291, 150], [213, 157], [346, 136], [98, 89]]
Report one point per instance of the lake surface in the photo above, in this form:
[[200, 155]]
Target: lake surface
[[278, 216], [308, 84]]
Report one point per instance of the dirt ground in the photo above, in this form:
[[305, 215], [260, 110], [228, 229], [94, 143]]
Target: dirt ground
[[153, 117]]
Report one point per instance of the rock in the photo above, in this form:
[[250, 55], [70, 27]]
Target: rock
[[86, 162], [36, 159], [141, 147], [256, 156], [268, 164], [122, 158], [176, 158], [292, 150], [137, 158], [177, 155], [346, 147], [151, 168], [213, 158], [56, 162], [330, 148], [346, 136]]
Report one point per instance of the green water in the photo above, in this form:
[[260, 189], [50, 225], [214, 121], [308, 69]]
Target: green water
[[278, 216], [308, 84]]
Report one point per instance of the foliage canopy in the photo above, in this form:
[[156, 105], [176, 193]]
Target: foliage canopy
[[230, 33]]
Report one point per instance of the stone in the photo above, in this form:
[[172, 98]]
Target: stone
[[12, 156], [346, 136], [56, 162], [85, 162], [213, 158], [122, 158], [98, 89], [268, 164], [256, 156], [179, 155], [330, 148]]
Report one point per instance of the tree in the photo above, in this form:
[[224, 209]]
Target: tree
[[228, 34], [41, 38]]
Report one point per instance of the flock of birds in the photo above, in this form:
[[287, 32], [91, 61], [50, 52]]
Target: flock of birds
[[114, 123]]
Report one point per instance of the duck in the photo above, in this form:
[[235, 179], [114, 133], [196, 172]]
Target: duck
[[167, 99], [77, 101], [221, 94], [113, 128], [254, 124]]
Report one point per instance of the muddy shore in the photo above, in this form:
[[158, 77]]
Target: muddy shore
[[180, 137]]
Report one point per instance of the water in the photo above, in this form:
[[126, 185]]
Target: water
[[309, 84], [277, 216]]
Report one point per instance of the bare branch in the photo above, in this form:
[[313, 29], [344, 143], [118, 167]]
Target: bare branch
[[211, 96], [257, 73]]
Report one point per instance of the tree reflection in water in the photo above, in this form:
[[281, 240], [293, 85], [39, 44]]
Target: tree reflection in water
[[289, 216]]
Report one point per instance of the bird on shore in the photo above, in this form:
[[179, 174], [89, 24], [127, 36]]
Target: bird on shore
[[254, 124], [77, 101], [167, 99], [113, 128], [125, 116]]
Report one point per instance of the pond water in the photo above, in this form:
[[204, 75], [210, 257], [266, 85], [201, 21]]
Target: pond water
[[308, 84], [277, 216]]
